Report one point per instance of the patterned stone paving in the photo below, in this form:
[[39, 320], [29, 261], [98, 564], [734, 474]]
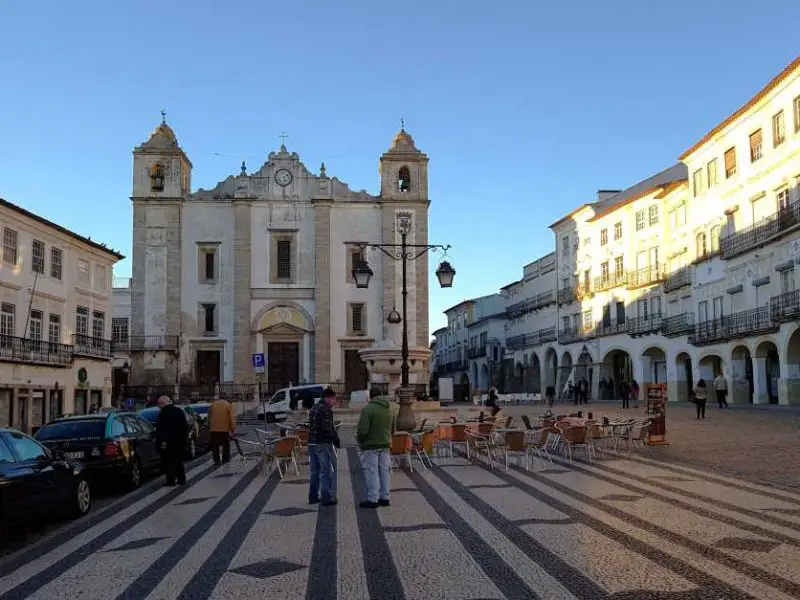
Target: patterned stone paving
[[620, 527]]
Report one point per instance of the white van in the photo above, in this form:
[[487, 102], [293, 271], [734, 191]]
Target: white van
[[285, 400]]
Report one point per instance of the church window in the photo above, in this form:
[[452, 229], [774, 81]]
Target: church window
[[157, 178], [284, 259], [207, 262], [208, 316], [404, 180], [357, 324], [356, 256]]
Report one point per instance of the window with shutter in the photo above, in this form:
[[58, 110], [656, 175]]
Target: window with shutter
[[730, 162], [778, 129], [37, 255], [284, 248], [755, 146]]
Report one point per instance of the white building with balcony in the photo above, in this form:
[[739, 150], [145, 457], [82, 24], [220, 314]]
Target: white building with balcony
[[55, 320], [688, 274]]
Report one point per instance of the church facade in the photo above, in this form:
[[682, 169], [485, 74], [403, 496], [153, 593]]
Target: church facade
[[263, 263]]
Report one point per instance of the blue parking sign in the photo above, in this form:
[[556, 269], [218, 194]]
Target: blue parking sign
[[258, 362]]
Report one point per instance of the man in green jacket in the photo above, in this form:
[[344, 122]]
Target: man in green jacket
[[374, 434]]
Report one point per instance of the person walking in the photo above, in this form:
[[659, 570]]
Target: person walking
[[700, 397], [721, 388], [550, 394], [625, 392], [172, 431], [635, 393], [322, 438], [221, 425], [374, 435]]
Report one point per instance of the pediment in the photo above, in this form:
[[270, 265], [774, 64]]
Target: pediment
[[282, 329]]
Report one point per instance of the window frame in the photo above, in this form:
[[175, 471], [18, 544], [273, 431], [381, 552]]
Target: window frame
[[56, 264], [756, 149], [778, 129], [712, 181], [36, 323], [54, 325], [618, 230], [82, 317], [38, 261], [731, 170], [641, 220], [87, 279], [10, 246], [205, 308], [604, 236], [653, 215]]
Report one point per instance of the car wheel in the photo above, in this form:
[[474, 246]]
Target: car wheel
[[82, 498], [269, 417], [191, 449], [135, 475]]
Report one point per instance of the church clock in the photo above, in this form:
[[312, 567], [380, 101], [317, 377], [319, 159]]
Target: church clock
[[283, 177]]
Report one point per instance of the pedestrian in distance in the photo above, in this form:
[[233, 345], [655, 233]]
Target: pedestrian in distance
[[550, 394], [221, 425], [374, 435], [721, 388], [625, 392], [322, 439], [172, 431], [635, 393], [700, 397]]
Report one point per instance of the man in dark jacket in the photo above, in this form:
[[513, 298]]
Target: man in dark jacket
[[172, 431], [322, 438]]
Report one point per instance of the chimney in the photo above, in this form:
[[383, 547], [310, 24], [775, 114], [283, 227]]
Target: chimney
[[606, 194]]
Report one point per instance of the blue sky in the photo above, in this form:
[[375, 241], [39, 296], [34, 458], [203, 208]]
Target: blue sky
[[524, 108]]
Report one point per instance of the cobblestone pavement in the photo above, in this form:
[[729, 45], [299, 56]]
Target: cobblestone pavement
[[621, 527], [757, 443]]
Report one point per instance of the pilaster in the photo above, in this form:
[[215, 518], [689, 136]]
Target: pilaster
[[242, 335], [321, 367]]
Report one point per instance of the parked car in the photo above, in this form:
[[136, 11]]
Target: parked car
[[285, 400], [199, 410], [198, 437], [118, 447], [36, 482]]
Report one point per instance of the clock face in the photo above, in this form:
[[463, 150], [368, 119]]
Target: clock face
[[283, 177]]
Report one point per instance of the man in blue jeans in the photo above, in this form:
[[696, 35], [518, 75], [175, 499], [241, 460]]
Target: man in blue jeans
[[322, 437], [374, 434]]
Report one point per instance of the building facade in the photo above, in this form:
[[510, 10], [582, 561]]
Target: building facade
[[262, 263], [55, 320], [688, 274]]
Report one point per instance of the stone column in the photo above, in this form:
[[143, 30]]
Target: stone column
[[322, 293], [242, 252], [760, 391]]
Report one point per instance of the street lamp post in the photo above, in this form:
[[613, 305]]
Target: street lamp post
[[403, 252]]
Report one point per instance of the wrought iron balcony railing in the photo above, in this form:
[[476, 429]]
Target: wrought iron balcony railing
[[525, 340], [583, 290], [86, 345], [476, 351], [642, 325], [569, 335], [611, 281], [676, 325], [646, 276], [762, 232], [543, 299], [678, 279], [604, 328], [738, 325], [519, 308], [34, 352], [566, 295], [548, 334], [785, 307], [153, 342]]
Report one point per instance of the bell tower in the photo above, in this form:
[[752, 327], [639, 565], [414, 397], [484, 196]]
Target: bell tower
[[161, 183], [404, 194], [404, 170]]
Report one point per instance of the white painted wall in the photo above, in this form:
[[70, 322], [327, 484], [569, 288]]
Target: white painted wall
[[208, 222]]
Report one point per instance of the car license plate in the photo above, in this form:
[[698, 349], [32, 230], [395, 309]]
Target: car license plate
[[73, 455]]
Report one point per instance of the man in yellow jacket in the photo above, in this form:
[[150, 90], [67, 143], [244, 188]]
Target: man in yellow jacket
[[221, 423]]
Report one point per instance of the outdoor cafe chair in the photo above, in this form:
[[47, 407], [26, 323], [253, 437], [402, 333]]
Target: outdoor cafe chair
[[246, 450], [538, 443], [401, 446], [481, 444], [283, 450], [516, 445], [636, 435], [459, 436], [444, 439], [575, 436], [423, 447]]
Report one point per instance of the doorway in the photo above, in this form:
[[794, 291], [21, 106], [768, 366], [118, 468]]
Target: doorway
[[283, 364], [207, 366], [356, 376]]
